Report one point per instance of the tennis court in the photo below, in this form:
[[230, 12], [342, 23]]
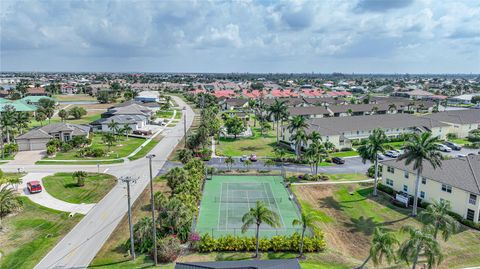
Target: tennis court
[[227, 198]]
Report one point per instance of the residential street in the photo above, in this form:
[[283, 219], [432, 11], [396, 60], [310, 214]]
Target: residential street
[[78, 248]]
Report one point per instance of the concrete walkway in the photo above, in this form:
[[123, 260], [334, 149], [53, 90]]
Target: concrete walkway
[[45, 199], [333, 182]]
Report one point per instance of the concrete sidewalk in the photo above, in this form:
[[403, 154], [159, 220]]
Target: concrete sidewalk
[[45, 199]]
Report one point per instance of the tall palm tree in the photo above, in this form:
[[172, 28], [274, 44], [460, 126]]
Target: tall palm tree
[[258, 215], [371, 149], [7, 120], [113, 126], [437, 215], [420, 242], [315, 152], [126, 129], [315, 136], [305, 221], [21, 121], [297, 123], [299, 138], [277, 110], [420, 148], [383, 245]]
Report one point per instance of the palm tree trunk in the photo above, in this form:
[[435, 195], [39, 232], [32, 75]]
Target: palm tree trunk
[[277, 131], [375, 182], [256, 238], [301, 242], [365, 262], [415, 197], [8, 136]]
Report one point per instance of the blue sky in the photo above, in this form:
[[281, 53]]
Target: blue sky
[[361, 36]]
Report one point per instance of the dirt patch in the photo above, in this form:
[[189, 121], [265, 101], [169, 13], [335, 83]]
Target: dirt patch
[[338, 234]]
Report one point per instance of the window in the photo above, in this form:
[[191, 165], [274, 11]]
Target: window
[[389, 182], [446, 188], [470, 214], [390, 169], [405, 188], [473, 199], [405, 174], [422, 194], [424, 180]]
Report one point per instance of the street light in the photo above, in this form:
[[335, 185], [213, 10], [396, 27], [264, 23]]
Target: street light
[[128, 179], [154, 230], [185, 126]]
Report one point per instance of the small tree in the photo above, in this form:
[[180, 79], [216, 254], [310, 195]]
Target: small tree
[[247, 163], [108, 139], [269, 163], [305, 221], [229, 161], [383, 245], [127, 129], [80, 177], [437, 215], [185, 155], [63, 114], [40, 116], [420, 242], [77, 112], [235, 126]]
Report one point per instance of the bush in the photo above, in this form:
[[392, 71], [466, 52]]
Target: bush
[[472, 145], [451, 136], [168, 249], [66, 147], [91, 152], [318, 177], [386, 189], [346, 149], [465, 222], [54, 142], [279, 243], [371, 171], [51, 150], [11, 148]]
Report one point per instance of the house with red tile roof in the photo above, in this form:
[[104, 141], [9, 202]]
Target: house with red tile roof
[[254, 93], [224, 93]]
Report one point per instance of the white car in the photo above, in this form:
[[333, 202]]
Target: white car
[[443, 148], [392, 154]]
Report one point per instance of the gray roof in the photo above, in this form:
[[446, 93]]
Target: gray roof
[[358, 108], [304, 111], [132, 109], [339, 125], [134, 102], [47, 130], [236, 101], [250, 264], [121, 119], [289, 101], [462, 173], [468, 116]]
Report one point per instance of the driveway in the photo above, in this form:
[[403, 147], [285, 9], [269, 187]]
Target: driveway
[[28, 157], [45, 199]]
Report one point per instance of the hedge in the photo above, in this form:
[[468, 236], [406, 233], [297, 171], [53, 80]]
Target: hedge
[[279, 243]]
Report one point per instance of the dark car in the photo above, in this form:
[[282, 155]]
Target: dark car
[[452, 145], [338, 160], [34, 186]]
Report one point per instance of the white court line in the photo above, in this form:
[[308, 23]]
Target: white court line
[[226, 215], [106, 170], [278, 208], [219, 207]]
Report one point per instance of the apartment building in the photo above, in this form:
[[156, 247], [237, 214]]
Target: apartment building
[[456, 181]]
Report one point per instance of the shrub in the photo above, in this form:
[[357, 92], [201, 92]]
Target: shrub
[[66, 147], [371, 171], [54, 142], [386, 189], [91, 152], [319, 177], [51, 150], [346, 149], [168, 249], [279, 243], [472, 145], [451, 136], [11, 148]]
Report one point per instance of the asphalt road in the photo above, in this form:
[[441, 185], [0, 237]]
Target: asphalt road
[[78, 248]]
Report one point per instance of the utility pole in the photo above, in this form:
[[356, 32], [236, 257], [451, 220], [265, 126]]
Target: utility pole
[[127, 180], [154, 228], [185, 126]]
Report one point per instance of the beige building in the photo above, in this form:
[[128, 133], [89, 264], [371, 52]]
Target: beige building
[[461, 122], [456, 181], [342, 131]]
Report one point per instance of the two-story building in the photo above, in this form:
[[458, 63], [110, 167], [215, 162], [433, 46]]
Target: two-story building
[[456, 181], [461, 121]]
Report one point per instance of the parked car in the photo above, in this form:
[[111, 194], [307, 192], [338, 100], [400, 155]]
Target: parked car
[[443, 148], [338, 160], [461, 155], [452, 145], [380, 156], [34, 186], [392, 153], [253, 158], [142, 132], [243, 158]]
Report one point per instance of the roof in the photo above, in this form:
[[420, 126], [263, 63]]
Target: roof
[[290, 101], [467, 116], [36, 90], [120, 119], [303, 111], [236, 101], [148, 94], [462, 173], [34, 134], [132, 109], [340, 125], [358, 107], [131, 102], [18, 105], [243, 264], [47, 130]]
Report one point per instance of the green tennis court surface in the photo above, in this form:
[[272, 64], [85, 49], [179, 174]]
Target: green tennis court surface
[[227, 198]]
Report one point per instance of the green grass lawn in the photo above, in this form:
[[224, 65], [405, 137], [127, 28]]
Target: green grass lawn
[[74, 97], [262, 146], [395, 145], [121, 149], [178, 115], [77, 162], [349, 215], [459, 141], [344, 154], [29, 235], [166, 114], [145, 150], [64, 187], [85, 119], [347, 177]]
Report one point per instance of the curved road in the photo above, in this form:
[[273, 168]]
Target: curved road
[[78, 248]]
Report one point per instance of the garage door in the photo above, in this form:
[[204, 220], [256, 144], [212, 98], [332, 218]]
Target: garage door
[[37, 145]]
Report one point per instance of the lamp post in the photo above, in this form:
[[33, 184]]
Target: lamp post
[[154, 229], [127, 180], [185, 126]]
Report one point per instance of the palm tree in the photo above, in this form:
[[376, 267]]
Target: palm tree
[[299, 138], [258, 215], [109, 139], [7, 120], [392, 107], [8, 202], [63, 114], [280, 153], [420, 242], [113, 126], [126, 129], [315, 136], [297, 123], [22, 119], [437, 215], [383, 244], [229, 161], [80, 177], [371, 149], [305, 221], [316, 152], [269, 163], [418, 149], [277, 110]]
